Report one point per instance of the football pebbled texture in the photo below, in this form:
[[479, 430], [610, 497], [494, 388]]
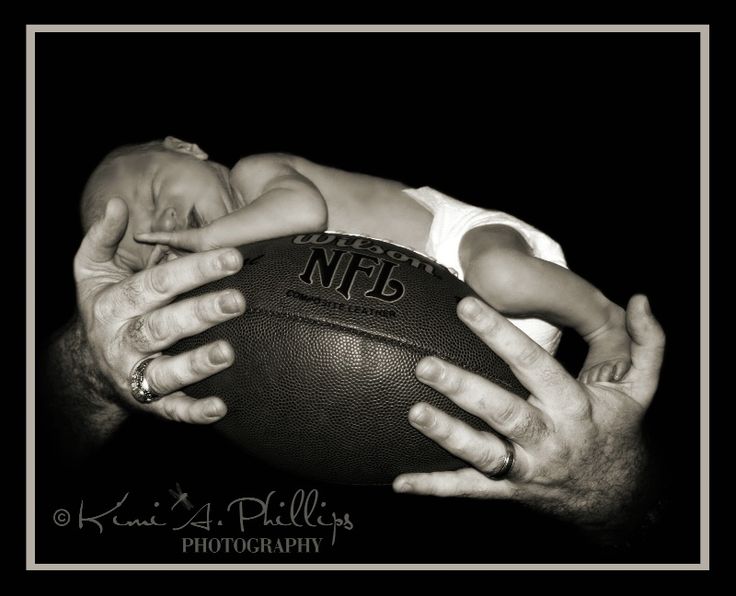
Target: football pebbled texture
[[325, 353]]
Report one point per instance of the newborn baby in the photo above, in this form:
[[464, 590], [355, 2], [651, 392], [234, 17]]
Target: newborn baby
[[178, 199]]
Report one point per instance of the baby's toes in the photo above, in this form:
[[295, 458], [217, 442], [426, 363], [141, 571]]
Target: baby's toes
[[620, 368], [605, 372]]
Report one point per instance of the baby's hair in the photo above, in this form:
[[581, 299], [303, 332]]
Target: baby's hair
[[93, 201]]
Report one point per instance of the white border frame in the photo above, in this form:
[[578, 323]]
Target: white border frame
[[703, 30]]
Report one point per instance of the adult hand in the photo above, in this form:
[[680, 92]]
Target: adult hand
[[578, 448], [126, 317]]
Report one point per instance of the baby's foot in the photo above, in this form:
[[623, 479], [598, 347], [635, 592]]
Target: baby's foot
[[609, 351]]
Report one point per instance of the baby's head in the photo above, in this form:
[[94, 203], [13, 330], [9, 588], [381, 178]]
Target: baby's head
[[168, 185]]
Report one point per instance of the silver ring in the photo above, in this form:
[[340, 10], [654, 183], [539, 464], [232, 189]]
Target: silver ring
[[508, 461], [139, 387]]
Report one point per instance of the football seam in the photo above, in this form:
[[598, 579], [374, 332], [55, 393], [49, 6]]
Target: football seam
[[360, 332]]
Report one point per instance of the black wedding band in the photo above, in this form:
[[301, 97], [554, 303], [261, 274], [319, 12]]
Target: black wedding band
[[139, 387], [508, 461]]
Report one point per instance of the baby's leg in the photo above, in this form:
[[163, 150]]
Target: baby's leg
[[498, 264]]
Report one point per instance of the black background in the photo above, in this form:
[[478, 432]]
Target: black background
[[591, 137]]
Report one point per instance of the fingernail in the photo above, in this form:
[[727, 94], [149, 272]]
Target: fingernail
[[429, 369], [470, 309], [108, 207], [647, 306], [230, 261], [230, 303], [219, 355], [420, 415], [213, 410], [403, 487]]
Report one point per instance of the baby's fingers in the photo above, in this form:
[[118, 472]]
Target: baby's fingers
[[155, 237], [190, 240]]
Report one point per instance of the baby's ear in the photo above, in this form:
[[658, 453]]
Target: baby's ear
[[180, 146]]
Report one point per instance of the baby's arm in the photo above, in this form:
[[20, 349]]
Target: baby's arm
[[278, 201]]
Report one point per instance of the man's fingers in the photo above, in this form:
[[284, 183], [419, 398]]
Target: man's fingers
[[169, 374], [153, 288], [467, 482], [539, 372], [179, 407], [647, 349], [162, 328], [102, 239], [483, 450], [508, 414]]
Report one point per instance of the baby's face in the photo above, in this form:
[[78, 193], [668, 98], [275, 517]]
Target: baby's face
[[188, 193], [171, 191]]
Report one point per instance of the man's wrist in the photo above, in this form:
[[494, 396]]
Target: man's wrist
[[635, 519], [71, 358], [79, 403]]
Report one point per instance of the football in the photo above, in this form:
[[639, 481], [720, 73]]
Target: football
[[325, 354]]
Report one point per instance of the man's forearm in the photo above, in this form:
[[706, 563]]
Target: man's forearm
[[77, 403], [634, 502]]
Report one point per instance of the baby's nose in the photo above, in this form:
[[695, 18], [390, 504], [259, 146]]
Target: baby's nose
[[166, 222]]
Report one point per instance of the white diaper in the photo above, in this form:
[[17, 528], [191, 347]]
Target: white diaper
[[452, 219]]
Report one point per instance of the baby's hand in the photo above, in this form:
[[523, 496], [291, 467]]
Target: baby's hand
[[193, 240]]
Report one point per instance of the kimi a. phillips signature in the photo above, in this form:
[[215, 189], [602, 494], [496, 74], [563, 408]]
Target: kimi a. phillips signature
[[302, 509]]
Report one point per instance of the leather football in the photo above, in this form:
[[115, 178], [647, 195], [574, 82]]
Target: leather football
[[325, 353]]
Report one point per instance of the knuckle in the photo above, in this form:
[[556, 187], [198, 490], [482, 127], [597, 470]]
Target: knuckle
[[452, 382], [102, 308], [136, 334], [158, 328], [488, 326], [552, 376], [170, 410], [579, 409], [529, 356], [507, 414], [132, 290], [487, 459], [434, 486], [525, 424], [206, 268], [455, 439], [159, 280], [199, 362], [659, 339], [515, 492], [481, 403], [159, 379], [204, 309]]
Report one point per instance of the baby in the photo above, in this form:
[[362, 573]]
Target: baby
[[178, 199]]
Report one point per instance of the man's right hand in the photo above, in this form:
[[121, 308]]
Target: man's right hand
[[126, 317]]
